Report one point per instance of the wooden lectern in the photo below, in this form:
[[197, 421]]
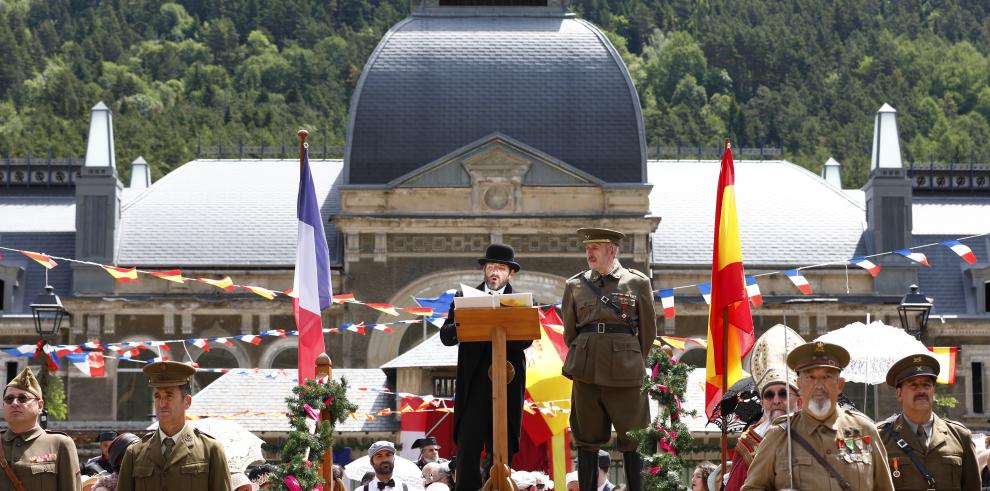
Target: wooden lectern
[[497, 326]]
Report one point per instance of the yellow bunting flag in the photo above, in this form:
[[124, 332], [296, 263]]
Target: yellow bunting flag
[[264, 292], [225, 284], [42, 259], [122, 275], [343, 298], [423, 311], [173, 275], [674, 342], [384, 307]]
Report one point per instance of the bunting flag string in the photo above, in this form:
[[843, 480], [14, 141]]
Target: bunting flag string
[[435, 316]]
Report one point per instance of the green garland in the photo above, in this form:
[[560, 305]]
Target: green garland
[[668, 434], [332, 396]]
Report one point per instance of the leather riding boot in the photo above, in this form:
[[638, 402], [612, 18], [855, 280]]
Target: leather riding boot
[[634, 470], [588, 470]]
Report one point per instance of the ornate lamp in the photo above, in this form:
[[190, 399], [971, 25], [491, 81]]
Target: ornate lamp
[[913, 311], [48, 313]]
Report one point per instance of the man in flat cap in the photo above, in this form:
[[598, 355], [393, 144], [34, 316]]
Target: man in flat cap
[[33, 457], [176, 457], [925, 451], [473, 388], [429, 451], [382, 457], [832, 448], [610, 323]]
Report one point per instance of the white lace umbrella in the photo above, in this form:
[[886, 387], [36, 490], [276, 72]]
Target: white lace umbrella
[[404, 470], [873, 349], [241, 447]]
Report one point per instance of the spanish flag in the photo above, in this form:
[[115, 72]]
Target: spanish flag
[[946, 357], [122, 275], [727, 346]]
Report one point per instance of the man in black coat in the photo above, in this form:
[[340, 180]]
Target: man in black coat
[[473, 388]]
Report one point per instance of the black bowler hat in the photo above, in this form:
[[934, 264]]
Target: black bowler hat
[[425, 442], [502, 254]]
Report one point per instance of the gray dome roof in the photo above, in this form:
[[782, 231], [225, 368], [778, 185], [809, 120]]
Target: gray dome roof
[[437, 83]]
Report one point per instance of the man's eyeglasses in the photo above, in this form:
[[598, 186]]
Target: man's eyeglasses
[[768, 395], [23, 399]]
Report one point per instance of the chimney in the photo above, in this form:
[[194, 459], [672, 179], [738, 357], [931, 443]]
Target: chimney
[[140, 174], [886, 145], [832, 173], [97, 205], [888, 206]]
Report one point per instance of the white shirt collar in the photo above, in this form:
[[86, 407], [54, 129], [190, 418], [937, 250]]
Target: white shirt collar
[[500, 291], [163, 436], [373, 485], [603, 486]]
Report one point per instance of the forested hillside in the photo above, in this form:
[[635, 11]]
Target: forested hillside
[[805, 73]]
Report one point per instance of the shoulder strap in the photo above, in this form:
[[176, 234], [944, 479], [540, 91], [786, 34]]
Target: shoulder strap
[[918, 464], [14, 481], [604, 299], [831, 470]]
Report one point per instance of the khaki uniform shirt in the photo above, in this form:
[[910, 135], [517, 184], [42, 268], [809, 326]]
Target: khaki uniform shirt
[[614, 360], [950, 457], [863, 465], [41, 460], [197, 463]]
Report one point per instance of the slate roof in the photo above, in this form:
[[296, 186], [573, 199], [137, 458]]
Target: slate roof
[[220, 213], [234, 392], [788, 216], [944, 280], [61, 244], [429, 353], [37, 214], [436, 83]]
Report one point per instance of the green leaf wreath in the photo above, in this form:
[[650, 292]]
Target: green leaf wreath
[[665, 441], [302, 471]]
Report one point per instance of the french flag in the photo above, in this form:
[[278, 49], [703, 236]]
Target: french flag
[[753, 290], [92, 364], [962, 250], [706, 292], [917, 257], [799, 281], [667, 302], [312, 276], [22, 351], [866, 264]]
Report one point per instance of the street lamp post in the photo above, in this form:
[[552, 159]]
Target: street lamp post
[[913, 311], [48, 313]]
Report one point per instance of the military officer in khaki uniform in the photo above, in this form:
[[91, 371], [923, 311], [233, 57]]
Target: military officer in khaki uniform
[[832, 449], [176, 457], [609, 324], [37, 459], [943, 448]]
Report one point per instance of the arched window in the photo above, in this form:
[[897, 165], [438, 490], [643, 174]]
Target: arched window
[[215, 358], [134, 395], [287, 358]]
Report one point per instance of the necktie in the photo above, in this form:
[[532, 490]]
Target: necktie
[[169, 444], [922, 438], [389, 484]]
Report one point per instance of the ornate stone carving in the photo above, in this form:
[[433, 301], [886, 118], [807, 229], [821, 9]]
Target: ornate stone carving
[[496, 179]]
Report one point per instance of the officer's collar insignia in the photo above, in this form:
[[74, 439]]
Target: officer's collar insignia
[[820, 347], [187, 438]]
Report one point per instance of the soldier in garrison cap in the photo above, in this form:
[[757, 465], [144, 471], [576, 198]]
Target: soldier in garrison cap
[[177, 456], [609, 324], [832, 448], [924, 450], [33, 458]]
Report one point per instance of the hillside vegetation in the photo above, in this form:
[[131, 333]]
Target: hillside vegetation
[[806, 74]]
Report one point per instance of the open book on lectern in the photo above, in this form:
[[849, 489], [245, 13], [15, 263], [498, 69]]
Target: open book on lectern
[[474, 298]]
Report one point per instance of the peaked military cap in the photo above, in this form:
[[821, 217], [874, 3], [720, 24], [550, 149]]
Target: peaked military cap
[[168, 373], [817, 354], [425, 442], [27, 382], [600, 235], [912, 366]]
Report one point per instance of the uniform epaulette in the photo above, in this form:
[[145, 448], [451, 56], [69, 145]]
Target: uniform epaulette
[[955, 423], [148, 436], [53, 432], [577, 275], [638, 273], [201, 432], [889, 420], [858, 414]]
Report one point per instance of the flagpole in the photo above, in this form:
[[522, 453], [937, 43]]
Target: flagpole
[[725, 369], [303, 135]]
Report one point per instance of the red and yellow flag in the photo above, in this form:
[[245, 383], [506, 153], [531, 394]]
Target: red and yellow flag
[[729, 306], [122, 275], [42, 259], [946, 357], [173, 275], [225, 284]]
